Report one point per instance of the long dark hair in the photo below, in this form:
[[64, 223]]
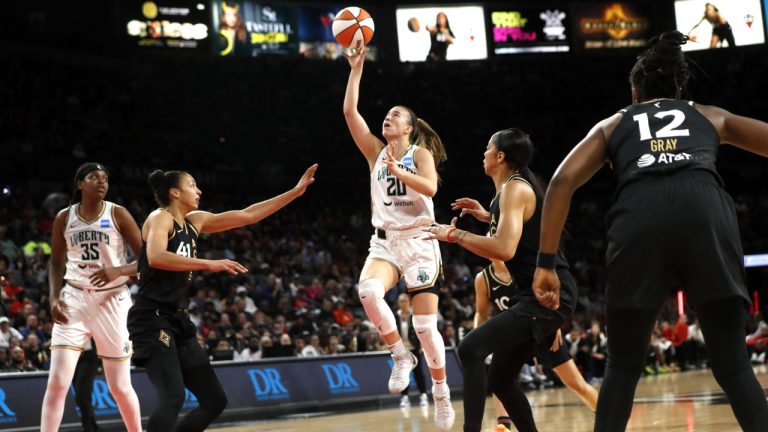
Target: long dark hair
[[518, 152], [80, 175], [662, 71], [162, 182]]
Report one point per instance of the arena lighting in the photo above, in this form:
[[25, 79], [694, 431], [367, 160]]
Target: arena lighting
[[759, 260]]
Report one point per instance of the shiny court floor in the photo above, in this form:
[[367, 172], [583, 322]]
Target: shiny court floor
[[690, 401]]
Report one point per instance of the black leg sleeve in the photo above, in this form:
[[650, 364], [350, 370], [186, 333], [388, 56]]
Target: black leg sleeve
[[202, 381], [85, 372], [630, 335], [164, 371], [723, 323]]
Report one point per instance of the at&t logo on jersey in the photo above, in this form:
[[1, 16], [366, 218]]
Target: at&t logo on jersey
[[6, 414], [663, 158], [340, 379], [267, 385]]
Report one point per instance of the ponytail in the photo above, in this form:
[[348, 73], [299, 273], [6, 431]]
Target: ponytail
[[162, 182], [425, 137], [662, 70]]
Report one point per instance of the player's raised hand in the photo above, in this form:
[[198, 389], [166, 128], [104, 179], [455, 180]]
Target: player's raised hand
[[307, 179], [391, 161], [226, 265], [471, 207], [356, 56]]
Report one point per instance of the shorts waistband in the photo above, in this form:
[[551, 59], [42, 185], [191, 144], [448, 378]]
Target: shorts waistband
[[85, 288], [142, 303], [400, 234]]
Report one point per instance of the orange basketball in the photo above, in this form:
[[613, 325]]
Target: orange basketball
[[353, 27]]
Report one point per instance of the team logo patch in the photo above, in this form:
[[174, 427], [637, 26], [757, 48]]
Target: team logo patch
[[423, 276], [127, 347], [165, 338], [105, 223]]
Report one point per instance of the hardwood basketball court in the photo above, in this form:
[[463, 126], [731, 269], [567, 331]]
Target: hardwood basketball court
[[686, 402]]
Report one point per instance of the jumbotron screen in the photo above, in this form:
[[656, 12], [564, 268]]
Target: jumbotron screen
[[529, 29], [440, 33], [316, 37], [720, 24]]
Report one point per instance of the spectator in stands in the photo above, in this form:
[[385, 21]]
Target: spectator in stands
[[250, 352], [7, 332], [19, 362], [313, 349], [36, 354], [33, 326]]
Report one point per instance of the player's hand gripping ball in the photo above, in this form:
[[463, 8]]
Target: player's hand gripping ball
[[353, 28]]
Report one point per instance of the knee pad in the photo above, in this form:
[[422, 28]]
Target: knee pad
[[371, 293], [431, 340]]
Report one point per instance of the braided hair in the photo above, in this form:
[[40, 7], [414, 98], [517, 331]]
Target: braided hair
[[661, 71]]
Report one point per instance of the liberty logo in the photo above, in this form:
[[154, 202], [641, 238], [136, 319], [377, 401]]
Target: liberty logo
[[267, 385], [6, 414], [340, 379], [422, 276]]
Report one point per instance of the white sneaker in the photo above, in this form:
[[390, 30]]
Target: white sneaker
[[423, 400], [401, 371], [444, 413], [405, 402]]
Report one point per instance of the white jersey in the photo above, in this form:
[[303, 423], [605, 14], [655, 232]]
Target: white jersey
[[93, 245], [395, 206]]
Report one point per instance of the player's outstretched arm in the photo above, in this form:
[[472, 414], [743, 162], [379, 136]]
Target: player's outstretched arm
[[743, 132], [159, 227], [367, 142], [216, 222]]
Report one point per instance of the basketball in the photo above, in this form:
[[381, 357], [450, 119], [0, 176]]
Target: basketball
[[413, 24], [353, 27]]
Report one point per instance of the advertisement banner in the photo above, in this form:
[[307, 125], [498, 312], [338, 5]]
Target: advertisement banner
[[529, 29], [246, 28], [252, 388], [720, 24], [169, 24], [441, 33], [611, 25]]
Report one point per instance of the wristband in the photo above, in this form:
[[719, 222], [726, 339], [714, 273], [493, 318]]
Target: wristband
[[545, 260], [448, 234]]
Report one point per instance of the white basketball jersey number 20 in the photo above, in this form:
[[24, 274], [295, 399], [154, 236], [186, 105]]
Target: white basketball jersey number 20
[[183, 250]]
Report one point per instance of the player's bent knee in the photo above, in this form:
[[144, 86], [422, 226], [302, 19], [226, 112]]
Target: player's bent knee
[[431, 340], [371, 293]]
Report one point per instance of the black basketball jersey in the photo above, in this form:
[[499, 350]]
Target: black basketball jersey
[[523, 263], [169, 287], [661, 138], [500, 294]]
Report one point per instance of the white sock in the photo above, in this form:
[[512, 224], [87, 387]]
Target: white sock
[[440, 386], [398, 349]]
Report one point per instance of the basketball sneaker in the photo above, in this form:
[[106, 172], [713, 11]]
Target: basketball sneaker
[[401, 371], [444, 413], [423, 400], [501, 428]]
